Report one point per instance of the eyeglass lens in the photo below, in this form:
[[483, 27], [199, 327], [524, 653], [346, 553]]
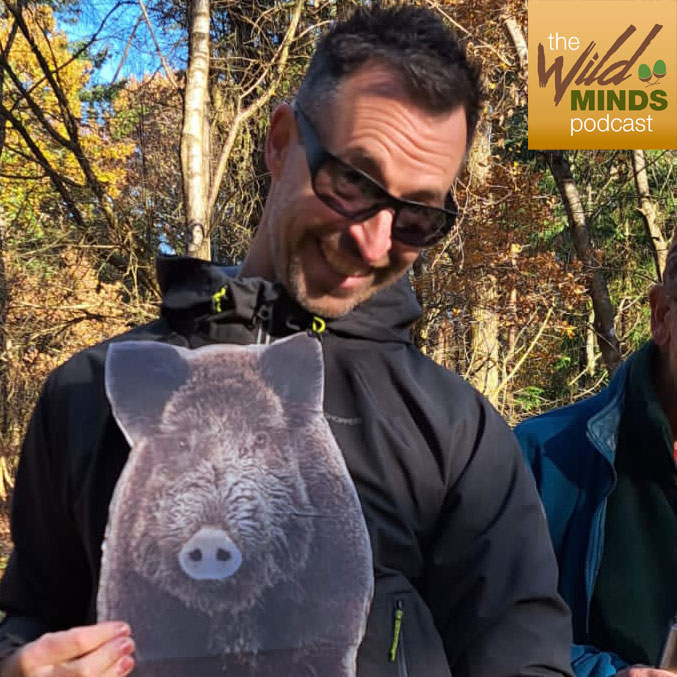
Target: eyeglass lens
[[352, 194], [355, 195]]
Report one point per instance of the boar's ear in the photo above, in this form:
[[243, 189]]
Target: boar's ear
[[294, 369], [140, 377]]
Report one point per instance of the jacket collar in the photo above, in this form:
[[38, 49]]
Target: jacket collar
[[204, 298], [602, 428]]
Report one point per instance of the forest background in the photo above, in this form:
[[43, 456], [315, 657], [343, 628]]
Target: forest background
[[136, 127]]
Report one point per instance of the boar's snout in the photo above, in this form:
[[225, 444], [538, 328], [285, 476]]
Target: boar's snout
[[210, 555]]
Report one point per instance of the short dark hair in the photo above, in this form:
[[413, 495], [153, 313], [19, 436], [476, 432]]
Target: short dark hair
[[436, 71]]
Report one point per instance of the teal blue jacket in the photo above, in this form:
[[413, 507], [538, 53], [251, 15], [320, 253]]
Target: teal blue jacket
[[571, 452]]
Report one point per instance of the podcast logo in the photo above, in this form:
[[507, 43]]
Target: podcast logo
[[602, 74]]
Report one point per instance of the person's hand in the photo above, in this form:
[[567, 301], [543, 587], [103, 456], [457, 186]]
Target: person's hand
[[644, 671], [102, 650]]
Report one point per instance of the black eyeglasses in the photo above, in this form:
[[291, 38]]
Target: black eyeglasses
[[354, 194]]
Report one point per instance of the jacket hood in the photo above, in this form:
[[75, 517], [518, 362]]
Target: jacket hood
[[202, 296]]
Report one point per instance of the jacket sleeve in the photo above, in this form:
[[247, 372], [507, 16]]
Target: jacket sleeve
[[587, 661], [492, 583], [42, 588]]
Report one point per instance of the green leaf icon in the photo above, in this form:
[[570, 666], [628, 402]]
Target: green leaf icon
[[658, 68], [644, 73]]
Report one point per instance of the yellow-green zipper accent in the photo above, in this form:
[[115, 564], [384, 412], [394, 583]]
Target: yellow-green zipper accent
[[397, 629], [217, 297], [318, 325]]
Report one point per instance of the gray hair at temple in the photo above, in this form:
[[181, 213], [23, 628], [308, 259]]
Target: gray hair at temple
[[415, 43]]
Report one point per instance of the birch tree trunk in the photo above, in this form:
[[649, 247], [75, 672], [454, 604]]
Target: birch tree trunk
[[485, 342], [195, 134], [580, 235], [519, 43], [590, 345], [649, 212]]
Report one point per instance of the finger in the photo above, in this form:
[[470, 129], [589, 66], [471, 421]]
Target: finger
[[58, 647], [102, 659], [120, 668]]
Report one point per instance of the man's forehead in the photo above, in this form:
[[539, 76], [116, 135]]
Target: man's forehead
[[375, 80]]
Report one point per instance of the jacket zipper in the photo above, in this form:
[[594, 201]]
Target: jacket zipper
[[263, 321], [396, 653]]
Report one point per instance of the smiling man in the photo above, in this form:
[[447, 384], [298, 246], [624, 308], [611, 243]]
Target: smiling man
[[357, 238], [434, 522]]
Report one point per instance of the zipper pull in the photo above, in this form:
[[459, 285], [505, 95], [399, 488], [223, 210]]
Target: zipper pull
[[397, 629], [318, 326], [217, 297], [263, 319]]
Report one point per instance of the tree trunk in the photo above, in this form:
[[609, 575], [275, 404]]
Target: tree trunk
[[4, 361], [485, 346], [440, 354], [590, 345], [512, 306], [580, 235], [518, 41], [195, 133], [4, 290], [659, 244]]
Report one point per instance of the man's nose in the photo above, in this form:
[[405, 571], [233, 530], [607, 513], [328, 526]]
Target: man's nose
[[373, 236]]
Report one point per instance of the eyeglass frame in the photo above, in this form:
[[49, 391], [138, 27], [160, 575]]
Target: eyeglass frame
[[317, 155]]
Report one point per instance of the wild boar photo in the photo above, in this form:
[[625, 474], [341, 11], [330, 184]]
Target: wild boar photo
[[235, 544]]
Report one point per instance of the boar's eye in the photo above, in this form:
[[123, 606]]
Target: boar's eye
[[261, 439], [181, 444], [175, 445]]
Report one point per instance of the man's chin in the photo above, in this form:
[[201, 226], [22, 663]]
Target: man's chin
[[330, 305], [334, 303]]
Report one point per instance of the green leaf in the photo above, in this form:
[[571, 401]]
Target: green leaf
[[659, 68], [644, 73]]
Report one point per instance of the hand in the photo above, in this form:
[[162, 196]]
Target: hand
[[101, 650], [644, 671]]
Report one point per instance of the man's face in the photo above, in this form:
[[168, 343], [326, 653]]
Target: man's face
[[327, 261]]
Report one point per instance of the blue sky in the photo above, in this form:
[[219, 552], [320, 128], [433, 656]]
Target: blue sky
[[81, 23]]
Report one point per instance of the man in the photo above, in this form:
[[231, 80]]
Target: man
[[605, 468], [464, 575]]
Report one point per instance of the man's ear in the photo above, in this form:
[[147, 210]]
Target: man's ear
[[281, 134], [660, 305]]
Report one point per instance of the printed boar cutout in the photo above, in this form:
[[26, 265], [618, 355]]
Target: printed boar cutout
[[235, 544]]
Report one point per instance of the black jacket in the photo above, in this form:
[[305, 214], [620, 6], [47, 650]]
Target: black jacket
[[458, 536]]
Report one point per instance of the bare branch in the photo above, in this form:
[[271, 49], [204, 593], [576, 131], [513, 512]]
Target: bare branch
[[37, 110], [123, 58], [54, 176], [161, 56], [436, 6], [580, 235], [649, 212], [242, 116], [4, 61], [525, 354]]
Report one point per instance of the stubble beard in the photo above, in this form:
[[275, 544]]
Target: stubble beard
[[292, 277], [335, 307]]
